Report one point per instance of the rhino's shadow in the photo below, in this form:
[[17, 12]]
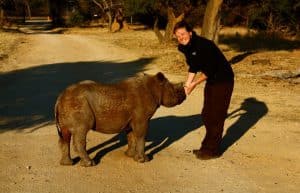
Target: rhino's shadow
[[28, 95], [166, 130], [163, 131]]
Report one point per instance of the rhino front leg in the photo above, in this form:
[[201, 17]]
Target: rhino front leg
[[140, 156], [131, 140], [139, 131]]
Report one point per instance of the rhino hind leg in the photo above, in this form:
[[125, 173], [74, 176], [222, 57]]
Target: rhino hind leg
[[64, 144], [79, 140], [65, 148]]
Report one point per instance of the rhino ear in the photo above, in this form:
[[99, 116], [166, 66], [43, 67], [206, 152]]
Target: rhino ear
[[160, 76]]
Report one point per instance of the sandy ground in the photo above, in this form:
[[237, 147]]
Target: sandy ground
[[261, 139]]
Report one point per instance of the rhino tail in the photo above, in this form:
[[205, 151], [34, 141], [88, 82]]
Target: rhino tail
[[63, 133], [57, 120]]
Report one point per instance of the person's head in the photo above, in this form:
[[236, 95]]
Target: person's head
[[183, 32]]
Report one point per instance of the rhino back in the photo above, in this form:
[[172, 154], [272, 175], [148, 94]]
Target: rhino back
[[115, 105], [127, 95]]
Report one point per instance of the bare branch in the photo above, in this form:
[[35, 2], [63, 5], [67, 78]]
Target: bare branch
[[99, 5]]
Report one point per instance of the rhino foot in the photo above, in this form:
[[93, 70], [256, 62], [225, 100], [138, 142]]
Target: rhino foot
[[130, 153], [141, 159], [66, 161], [205, 155], [87, 163]]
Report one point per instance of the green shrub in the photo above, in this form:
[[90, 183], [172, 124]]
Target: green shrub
[[75, 19]]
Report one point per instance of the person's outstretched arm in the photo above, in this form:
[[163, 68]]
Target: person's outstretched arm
[[191, 83]]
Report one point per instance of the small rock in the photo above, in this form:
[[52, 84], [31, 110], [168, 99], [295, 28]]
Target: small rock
[[3, 56]]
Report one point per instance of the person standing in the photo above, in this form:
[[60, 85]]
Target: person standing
[[205, 58]]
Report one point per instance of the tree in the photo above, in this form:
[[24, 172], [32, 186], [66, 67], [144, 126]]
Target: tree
[[271, 16], [137, 7], [114, 11], [276, 15], [172, 21], [104, 6], [119, 21], [174, 11], [27, 7], [56, 10], [211, 22], [1, 12]]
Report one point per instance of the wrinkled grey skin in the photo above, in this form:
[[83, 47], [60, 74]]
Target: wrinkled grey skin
[[112, 108]]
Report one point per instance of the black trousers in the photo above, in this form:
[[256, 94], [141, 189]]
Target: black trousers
[[216, 103]]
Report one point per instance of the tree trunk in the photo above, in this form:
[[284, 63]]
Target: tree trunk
[[24, 13], [110, 20], [119, 22], [298, 32], [271, 24], [157, 31], [84, 6], [210, 27], [125, 25], [115, 26], [1, 16], [56, 10], [172, 21], [28, 8], [105, 9]]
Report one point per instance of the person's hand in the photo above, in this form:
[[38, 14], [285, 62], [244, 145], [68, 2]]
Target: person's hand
[[189, 88], [186, 90]]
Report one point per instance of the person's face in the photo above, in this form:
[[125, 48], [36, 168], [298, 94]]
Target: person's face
[[183, 36]]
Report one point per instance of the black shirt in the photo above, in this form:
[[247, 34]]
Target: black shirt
[[203, 55]]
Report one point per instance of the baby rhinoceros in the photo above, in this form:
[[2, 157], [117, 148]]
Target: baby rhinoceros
[[112, 108]]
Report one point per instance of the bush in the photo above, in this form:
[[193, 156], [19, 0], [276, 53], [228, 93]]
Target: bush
[[75, 19]]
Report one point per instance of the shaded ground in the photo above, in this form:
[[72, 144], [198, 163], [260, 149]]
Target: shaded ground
[[261, 137]]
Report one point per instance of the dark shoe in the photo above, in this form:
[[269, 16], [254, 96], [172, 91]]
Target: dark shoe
[[205, 154]]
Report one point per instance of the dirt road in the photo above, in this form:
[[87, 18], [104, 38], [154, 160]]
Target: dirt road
[[261, 139]]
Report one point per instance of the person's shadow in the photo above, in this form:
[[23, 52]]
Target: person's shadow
[[250, 112], [163, 131]]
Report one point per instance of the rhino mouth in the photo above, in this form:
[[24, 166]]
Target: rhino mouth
[[181, 95], [174, 96]]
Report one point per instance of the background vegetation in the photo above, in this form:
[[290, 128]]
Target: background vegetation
[[269, 16]]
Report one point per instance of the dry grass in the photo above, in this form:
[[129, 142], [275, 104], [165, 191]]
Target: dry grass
[[143, 42], [270, 59], [238, 44], [8, 42]]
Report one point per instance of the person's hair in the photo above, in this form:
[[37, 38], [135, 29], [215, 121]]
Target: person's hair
[[183, 24]]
